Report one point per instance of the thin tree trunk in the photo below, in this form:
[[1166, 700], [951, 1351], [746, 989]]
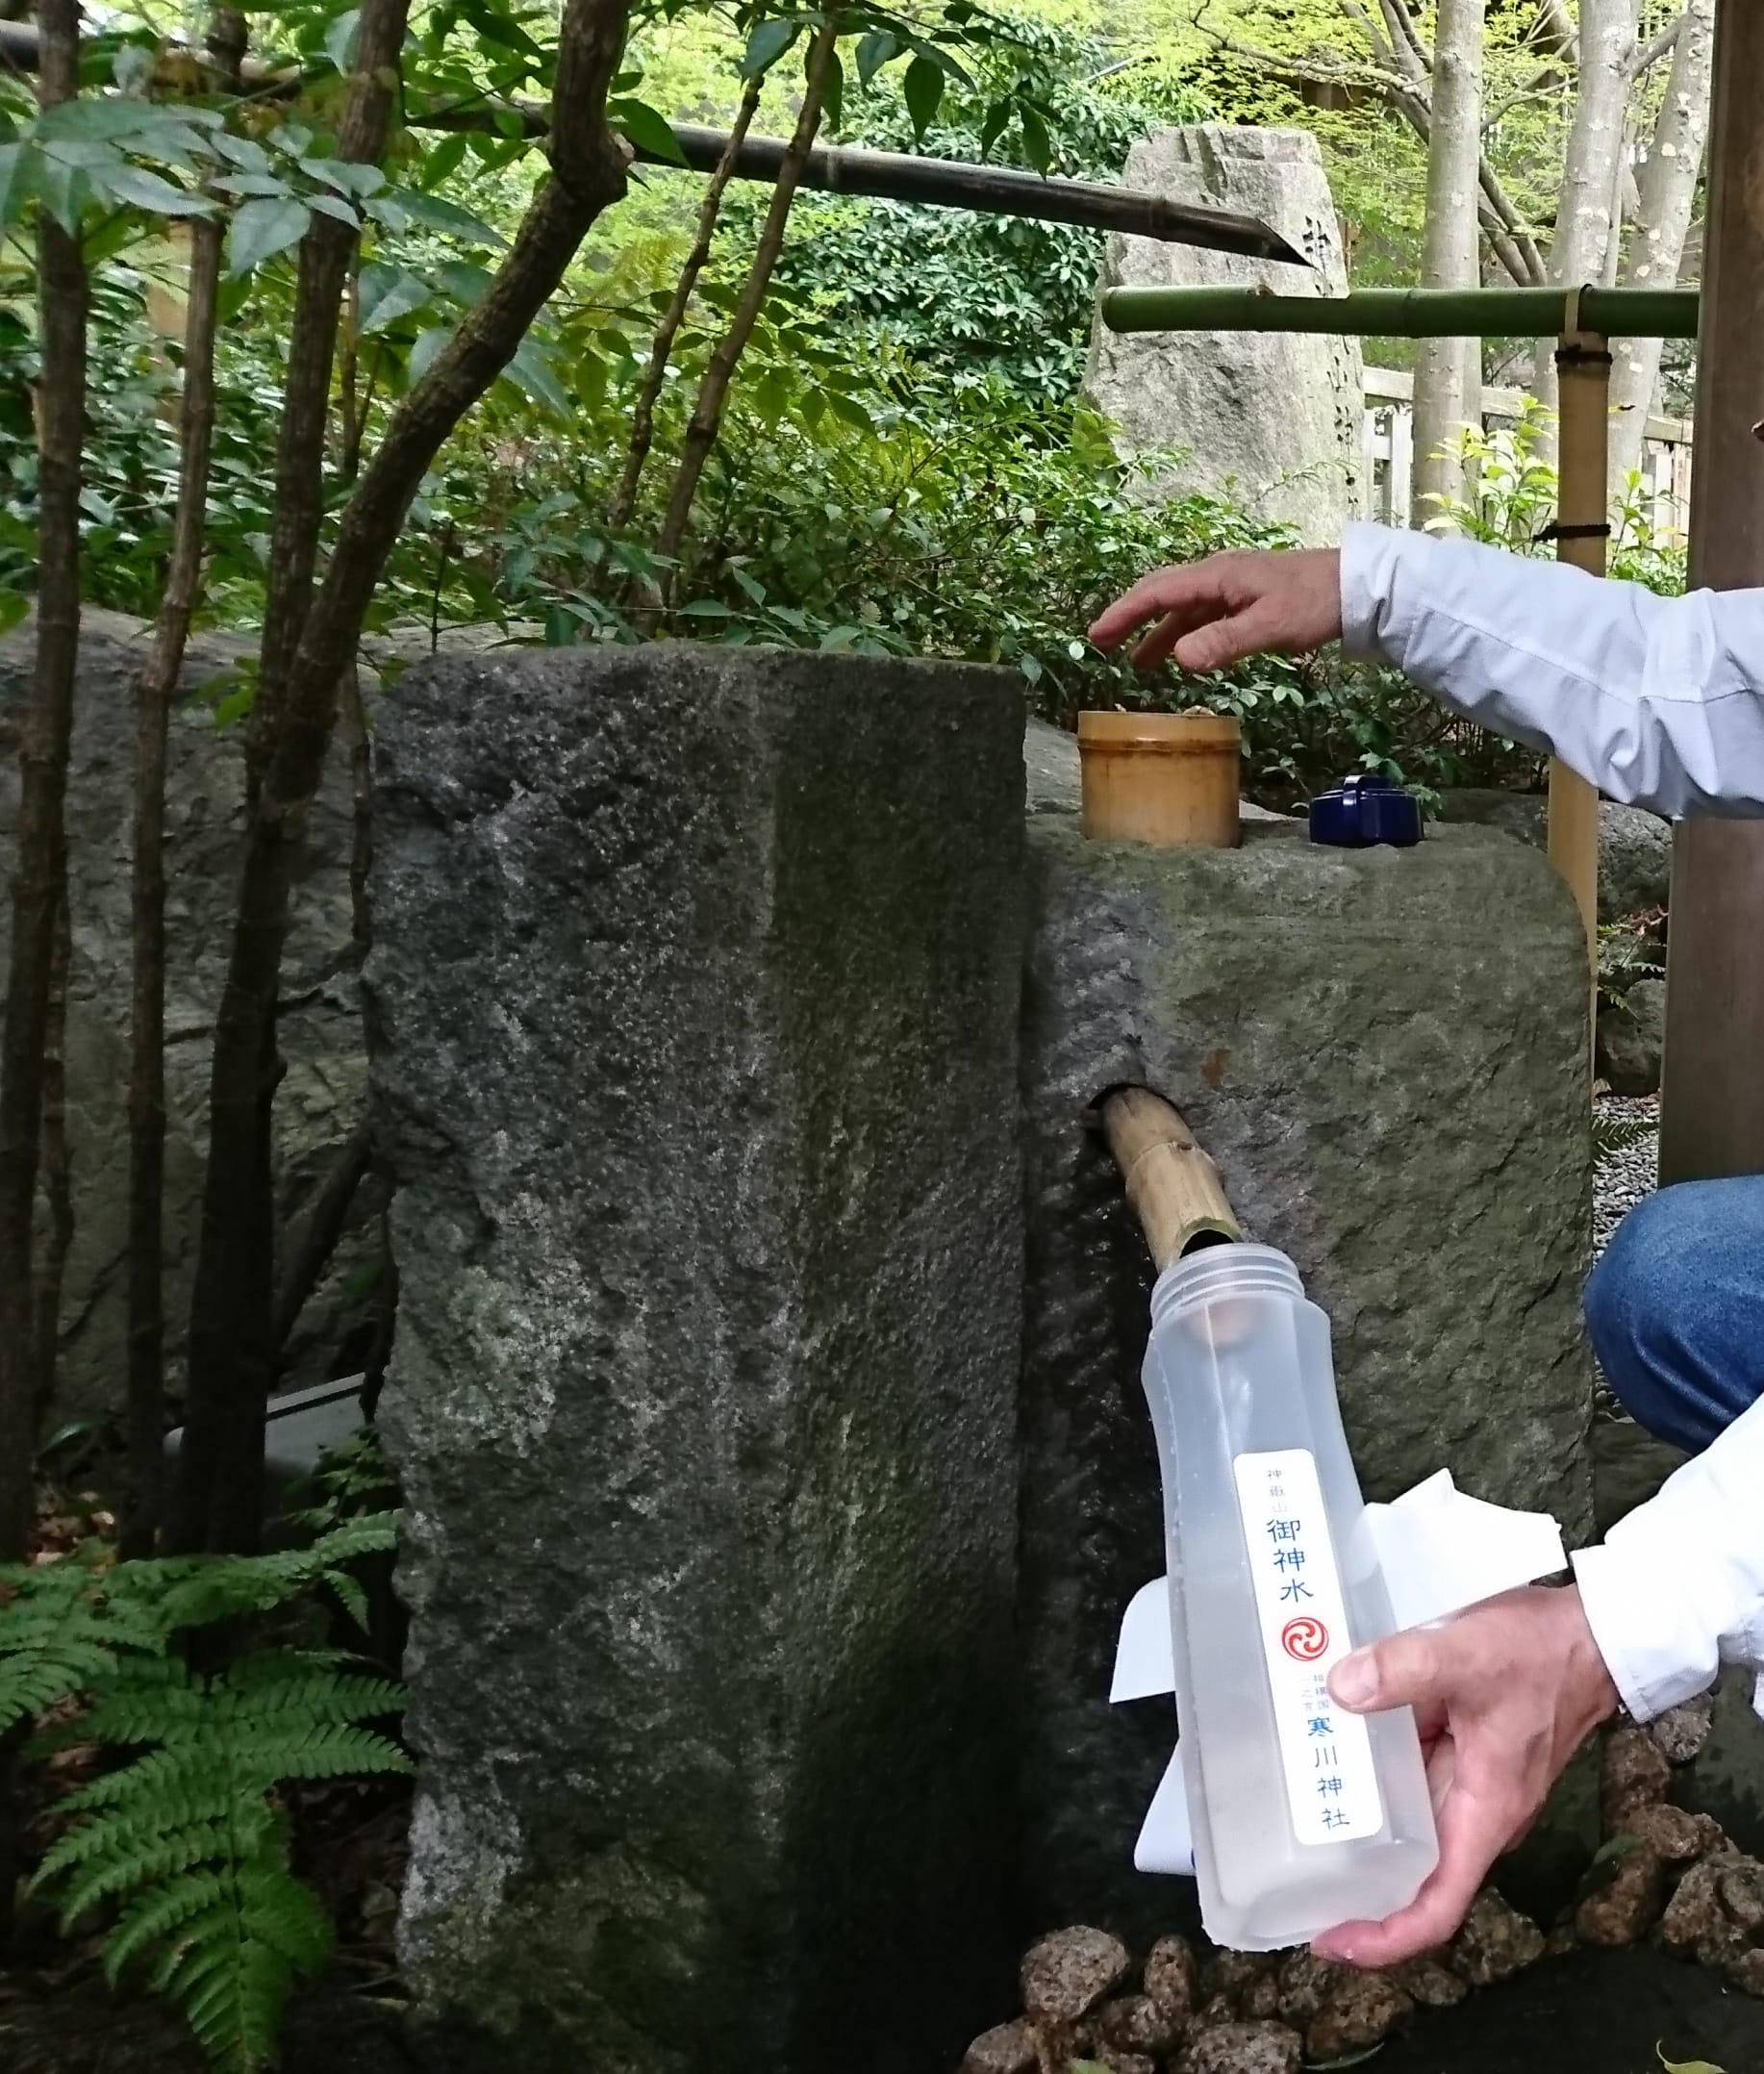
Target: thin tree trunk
[[1449, 372], [232, 1350], [707, 412], [1584, 225], [661, 350], [57, 1169], [221, 1488], [40, 877], [315, 1237], [154, 692], [1667, 196]]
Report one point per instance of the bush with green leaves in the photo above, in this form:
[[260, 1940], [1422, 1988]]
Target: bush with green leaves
[[965, 291], [186, 1846]]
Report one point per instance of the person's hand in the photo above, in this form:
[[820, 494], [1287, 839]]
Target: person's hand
[[1503, 1696], [1212, 613]]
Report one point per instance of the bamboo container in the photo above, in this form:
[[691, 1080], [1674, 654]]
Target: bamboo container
[[1170, 779]]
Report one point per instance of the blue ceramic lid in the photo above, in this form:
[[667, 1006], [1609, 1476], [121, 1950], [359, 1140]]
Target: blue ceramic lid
[[1364, 810]]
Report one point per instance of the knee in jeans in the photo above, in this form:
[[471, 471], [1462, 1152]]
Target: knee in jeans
[[1639, 1284]]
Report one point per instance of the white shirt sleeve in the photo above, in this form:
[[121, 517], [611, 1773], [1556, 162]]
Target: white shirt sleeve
[[1677, 1588], [1658, 702]]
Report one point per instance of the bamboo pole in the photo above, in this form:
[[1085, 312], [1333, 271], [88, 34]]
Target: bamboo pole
[[1408, 313], [1173, 1185], [1583, 530]]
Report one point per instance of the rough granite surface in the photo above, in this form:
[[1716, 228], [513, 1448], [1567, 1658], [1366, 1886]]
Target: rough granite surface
[[694, 1017], [1386, 1054]]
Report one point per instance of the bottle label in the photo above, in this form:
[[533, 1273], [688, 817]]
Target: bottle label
[[1331, 1782]]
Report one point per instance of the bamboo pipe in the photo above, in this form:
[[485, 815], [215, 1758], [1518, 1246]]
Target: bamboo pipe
[[1173, 1185], [1408, 313], [889, 175], [1582, 529]]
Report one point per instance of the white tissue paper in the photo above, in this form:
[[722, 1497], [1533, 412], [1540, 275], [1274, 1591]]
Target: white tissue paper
[[1440, 1551]]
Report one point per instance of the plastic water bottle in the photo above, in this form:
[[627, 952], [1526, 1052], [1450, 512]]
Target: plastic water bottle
[[1304, 1816]]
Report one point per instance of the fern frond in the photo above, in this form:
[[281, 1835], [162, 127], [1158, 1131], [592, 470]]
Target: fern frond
[[38, 1677], [153, 1916]]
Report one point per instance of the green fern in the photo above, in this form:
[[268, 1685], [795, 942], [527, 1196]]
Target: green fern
[[186, 1842]]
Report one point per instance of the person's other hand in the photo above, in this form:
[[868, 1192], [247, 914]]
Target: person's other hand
[[1212, 613], [1503, 1696]]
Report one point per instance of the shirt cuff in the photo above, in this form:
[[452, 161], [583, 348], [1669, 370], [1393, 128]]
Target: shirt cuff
[[1372, 559], [1644, 1623]]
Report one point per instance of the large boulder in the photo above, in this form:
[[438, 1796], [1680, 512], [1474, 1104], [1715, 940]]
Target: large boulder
[[693, 1007], [1270, 420], [1635, 845], [1386, 1053], [323, 1095]]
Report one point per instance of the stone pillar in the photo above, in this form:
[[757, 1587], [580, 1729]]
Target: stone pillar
[[1271, 422], [693, 1010], [1385, 1051]]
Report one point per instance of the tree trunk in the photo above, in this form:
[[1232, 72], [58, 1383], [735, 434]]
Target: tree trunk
[[231, 1349], [230, 1317], [643, 416], [57, 1169], [1449, 372], [154, 692], [40, 877], [1666, 197], [707, 412], [1584, 213]]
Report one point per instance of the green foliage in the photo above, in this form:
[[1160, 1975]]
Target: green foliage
[[186, 1846], [1512, 500], [968, 292], [352, 1481]]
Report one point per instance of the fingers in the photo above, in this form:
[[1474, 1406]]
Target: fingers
[[1192, 593], [1407, 1670], [1221, 640], [1472, 1835]]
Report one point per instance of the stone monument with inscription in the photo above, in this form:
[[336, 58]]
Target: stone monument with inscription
[[1270, 421]]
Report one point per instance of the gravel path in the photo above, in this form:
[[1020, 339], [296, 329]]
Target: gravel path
[[1624, 1173]]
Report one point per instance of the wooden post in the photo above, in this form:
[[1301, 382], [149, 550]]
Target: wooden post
[[1583, 365], [1173, 1185], [1712, 1096]]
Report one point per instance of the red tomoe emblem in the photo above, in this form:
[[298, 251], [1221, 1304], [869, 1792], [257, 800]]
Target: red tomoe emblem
[[1304, 1638]]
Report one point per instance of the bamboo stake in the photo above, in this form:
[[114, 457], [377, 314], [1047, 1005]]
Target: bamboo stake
[[1582, 529], [1174, 1187]]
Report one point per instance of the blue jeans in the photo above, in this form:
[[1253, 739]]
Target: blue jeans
[[1675, 1309]]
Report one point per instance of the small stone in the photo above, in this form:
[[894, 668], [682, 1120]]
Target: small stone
[[1065, 1974], [1681, 1731], [1231, 1973], [1634, 1774], [1243, 2049], [1137, 2024], [1171, 1980], [1358, 2012], [1561, 1941], [1740, 1883], [1425, 1981], [1747, 1973], [1625, 1902], [1673, 1835], [1494, 1942], [1118, 2061], [1261, 1999], [1305, 1982], [1695, 1911], [1721, 1947], [1217, 2013], [1005, 2049]]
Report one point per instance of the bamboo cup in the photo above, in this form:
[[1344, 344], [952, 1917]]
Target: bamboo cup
[[1170, 779]]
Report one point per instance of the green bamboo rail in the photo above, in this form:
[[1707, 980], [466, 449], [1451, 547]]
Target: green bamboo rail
[[1408, 313]]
